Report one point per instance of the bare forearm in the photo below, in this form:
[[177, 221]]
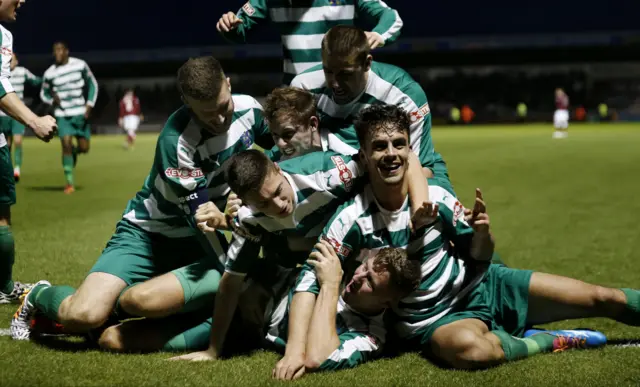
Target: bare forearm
[[14, 107], [323, 339], [302, 306], [225, 307], [482, 246]]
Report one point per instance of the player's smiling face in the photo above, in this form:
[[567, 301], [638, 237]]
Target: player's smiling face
[[8, 9], [346, 78], [275, 198], [295, 139], [386, 154], [215, 115], [368, 289]]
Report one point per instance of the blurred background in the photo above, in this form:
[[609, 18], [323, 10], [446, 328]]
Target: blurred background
[[501, 60]]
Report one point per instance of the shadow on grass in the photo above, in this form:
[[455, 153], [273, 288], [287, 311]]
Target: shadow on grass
[[65, 343], [624, 343], [50, 188]]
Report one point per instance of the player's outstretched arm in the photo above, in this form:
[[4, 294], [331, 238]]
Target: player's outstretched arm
[[234, 26], [387, 20], [44, 127]]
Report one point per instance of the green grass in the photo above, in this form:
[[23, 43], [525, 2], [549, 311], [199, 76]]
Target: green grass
[[562, 206]]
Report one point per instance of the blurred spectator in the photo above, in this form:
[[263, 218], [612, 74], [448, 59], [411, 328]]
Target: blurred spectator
[[454, 115], [521, 111], [603, 112], [467, 114], [580, 114]]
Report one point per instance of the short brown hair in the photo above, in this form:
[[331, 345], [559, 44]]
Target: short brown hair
[[404, 273], [346, 42], [291, 103], [374, 118], [245, 171], [201, 78]]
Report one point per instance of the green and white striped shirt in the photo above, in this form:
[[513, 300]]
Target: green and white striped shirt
[[321, 181], [361, 227], [19, 77], [361, 337], [186, 170], [302, 26], [68, 82], [344, 142], [6, 53]]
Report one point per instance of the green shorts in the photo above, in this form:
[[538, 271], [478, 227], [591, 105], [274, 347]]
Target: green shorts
[[11, 127], [501, 301], [7, 181], [75, 126], [135, 256]]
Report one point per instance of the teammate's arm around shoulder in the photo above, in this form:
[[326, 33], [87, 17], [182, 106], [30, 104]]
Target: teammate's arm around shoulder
[[234, 26], [387, 20]]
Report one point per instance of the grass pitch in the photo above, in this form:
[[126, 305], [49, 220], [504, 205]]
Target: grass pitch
[[567, 207]]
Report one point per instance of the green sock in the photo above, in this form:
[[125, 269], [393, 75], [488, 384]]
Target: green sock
[[631, 313], [7, 257], [47, 299], [18, 156], [515, 348], [67, 166], [195, 338]]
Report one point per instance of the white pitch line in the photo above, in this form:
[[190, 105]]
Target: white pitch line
[[5, 332]]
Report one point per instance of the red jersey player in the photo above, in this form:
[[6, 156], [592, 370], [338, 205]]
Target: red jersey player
[[561, 115], [130, 116]]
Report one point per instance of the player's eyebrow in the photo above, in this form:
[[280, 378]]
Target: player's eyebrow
[[278, 190]]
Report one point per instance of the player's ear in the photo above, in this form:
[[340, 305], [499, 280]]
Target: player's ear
[[367, 62], [228, 80], [314, 123]]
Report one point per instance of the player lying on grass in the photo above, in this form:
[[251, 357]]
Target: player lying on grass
[[157, 246], [466, 312], [349, 80]]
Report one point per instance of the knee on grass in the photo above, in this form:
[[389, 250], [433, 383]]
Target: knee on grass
[[83, 317]]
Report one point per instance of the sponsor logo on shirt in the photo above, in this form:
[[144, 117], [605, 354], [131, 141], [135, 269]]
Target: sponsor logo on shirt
[[191, 202], [248, 9], [341, 249], [421, 113], [184, 173], [246, 139], [6, 51], [343, 172]]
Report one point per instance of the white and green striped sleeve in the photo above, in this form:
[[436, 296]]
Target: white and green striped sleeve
[[387, 20], [46, 89], [31, 79], [251, 13], [244, 249], [6, 41], [92, 85], [355, 348]]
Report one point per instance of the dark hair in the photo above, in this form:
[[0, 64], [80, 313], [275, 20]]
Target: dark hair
[[404, 273], [62, 43], [291, 103], [201, 78], [346, 42], [245, 171], [375, 118]]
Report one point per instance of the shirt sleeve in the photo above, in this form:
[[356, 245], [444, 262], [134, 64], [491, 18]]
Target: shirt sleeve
[[261, 131], [45, 91], [415, 103], [251, 13], [355, 348], [31, 79], [92, 86], [386, 19], [6, 41]]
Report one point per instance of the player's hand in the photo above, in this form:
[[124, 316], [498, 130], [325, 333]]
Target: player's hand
[[478, 219], [425, 215], [228, 22], [289, 368], [87, 112], [233, 205], [45, 128], [327, 264], [196, 356], [209, 218], [374, 39]]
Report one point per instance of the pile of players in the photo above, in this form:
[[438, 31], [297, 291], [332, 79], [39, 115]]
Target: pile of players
[[347, 235]]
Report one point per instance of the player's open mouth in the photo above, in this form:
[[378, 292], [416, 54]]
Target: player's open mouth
[[339, 92], [390, 169], [288, 151]]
